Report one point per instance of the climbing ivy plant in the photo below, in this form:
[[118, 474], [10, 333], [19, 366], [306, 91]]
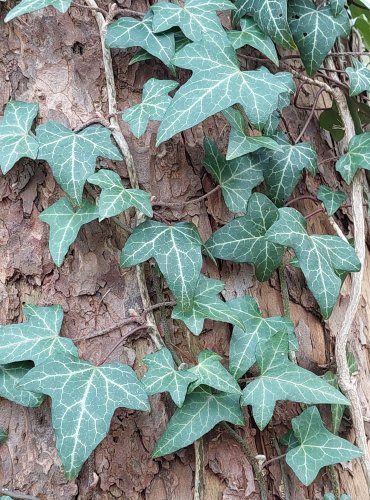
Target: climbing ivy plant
[[257, 176]]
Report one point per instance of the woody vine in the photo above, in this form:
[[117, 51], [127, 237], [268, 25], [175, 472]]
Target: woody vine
[[265, 230]]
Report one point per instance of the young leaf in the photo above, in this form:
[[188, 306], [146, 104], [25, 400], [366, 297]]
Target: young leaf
[[336, 6], [315, 31], [10, 377], [280, 379], [200, 412], [177, 251], [236, 177], [162, 376], [210, 372], [128, 32], [16, 142], [332, 200], [244, 238], [27, 6], [317, 447], [65, 224], [251, 34], [256, 330], [153, 106], [84, 398], [115, 198], [194, 19], [72, 156], [206, 304], [358, 156], [216, 84], [359, 78], [239, 142], [319, 257], [271, 15], [37, 338]]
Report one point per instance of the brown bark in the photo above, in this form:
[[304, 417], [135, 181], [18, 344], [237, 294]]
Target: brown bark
[[54, 59]]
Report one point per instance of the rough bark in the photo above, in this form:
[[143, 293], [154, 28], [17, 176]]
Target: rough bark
[[54, 59]]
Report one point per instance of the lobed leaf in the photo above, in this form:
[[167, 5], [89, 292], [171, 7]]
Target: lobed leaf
[[27, 6], [10, 377], [358, 156], [332, 200], [359, 78]]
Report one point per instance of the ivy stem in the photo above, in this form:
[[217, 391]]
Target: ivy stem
[[188, 202], [268, 462], [15, 494], [310, 116], [121, 340], [303, 197], [261, 480], [282, 463]]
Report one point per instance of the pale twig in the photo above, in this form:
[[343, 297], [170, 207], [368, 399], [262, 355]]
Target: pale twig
[[199, 470]]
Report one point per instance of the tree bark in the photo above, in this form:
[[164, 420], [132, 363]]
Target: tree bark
[[55, 60]]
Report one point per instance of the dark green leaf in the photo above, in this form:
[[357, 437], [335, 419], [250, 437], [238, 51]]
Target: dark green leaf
[[10, 377], [358, 156]]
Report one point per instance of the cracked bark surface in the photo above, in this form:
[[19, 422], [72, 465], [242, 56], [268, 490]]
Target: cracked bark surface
[[54, 59]]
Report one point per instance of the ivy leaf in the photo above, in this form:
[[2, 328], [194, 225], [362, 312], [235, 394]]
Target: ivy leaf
[[128, 32], [359, 78], [27, 6], [37, 338], [315, 31], [251, 34], [84, 398], [336, 6], [319, 257], [153, 106], [210, 372], [256, 330], [216, 84], [194, 19], [332, 200], [236, 177], [244, 238], [318, 447], [177, 251], [65, 223], [358, 156], [206, 304], [280, 379], [271, 15], [72, 156], [282, 168], [239, 142], [115, 198], [200, 412], [16, 142], [10, 377], [162, 376], [3, 437]]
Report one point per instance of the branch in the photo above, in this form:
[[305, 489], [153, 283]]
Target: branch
[[15, 494], [199, 470], [121, 340], [310, 116], [188, 202]]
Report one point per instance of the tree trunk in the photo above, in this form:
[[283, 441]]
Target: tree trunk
[[55, 60]]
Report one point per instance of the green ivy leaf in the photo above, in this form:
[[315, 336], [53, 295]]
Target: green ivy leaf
[[153, 106], [84, 398], [315, 31], [244, 238], [336, 6], [3, 437], [332, 200], [27, 6], [10, 376], [319, 257], [65, 223], [128, 32], [162, 376], [280, 379], [359, 78], [256, 330], [200, 412], [216, 84], [206, 304], [239, 142], [318, 447], [210, 372], [282, 168], [236, 177], [16, 142], [195, 18], [37, 338], [271, 15], [115, 198], [71, 156], [358, 156], [251, 34], [177, 251]]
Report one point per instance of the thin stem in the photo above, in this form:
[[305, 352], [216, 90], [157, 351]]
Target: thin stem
[[121, 340], [303, 197], [95, 9], [15, 494], [188, 202], [283, 471], [315, 212], [310, 115], [268, 462], [333, 158]]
